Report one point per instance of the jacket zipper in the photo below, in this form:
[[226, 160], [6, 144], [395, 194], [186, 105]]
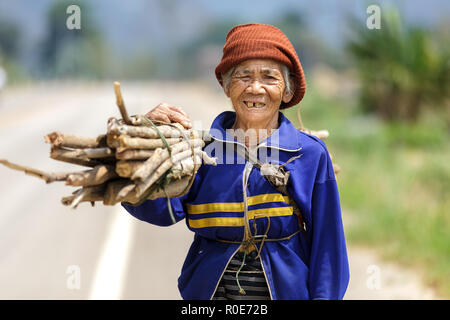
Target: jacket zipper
[[247, 171], [245, 230], [246, 221]]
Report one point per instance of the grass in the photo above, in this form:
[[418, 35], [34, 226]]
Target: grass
[[395, 183]]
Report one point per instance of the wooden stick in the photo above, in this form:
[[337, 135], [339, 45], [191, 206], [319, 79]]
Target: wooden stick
[[144, 180], [173, 190], [121, 104], [46, 176], [140, 121], [58, 139], [94, 153], [134, 154], [336, 168], [64, 155], [299, 117], [98, 175], [208, 160], [142, 187], [113, 188], [112, 140], [101, 141], [321, 134], [187, 166], [129, 193], [125, 169], [115, 128], [88, 153], [86, 193], [162, 155], [126, 142], [149, 166], [91, 196]]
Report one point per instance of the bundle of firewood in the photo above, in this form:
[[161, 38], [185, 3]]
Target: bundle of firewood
[[135, 160]]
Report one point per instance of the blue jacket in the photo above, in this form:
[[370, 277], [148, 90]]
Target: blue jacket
[[225, 198]]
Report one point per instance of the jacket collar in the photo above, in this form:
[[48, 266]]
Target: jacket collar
[[284, 138]]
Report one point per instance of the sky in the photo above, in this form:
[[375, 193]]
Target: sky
[[158, 23]]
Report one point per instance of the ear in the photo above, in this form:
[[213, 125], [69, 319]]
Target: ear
[[287, 96], [226, 89]]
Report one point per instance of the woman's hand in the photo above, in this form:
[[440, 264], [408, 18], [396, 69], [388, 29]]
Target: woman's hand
[[167, 113]]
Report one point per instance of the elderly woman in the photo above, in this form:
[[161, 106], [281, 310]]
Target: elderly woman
[[256, 237]]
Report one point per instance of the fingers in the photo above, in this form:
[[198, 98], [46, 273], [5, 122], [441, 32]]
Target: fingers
[[177, 117], [178, 110], [158, 116], [167, 113]]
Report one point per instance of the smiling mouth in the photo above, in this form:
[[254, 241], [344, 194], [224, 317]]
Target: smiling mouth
[[254, 104]]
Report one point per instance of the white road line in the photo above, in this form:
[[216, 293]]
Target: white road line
[[111, 270]]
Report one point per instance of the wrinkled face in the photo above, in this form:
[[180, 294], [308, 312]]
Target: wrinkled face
[[256, 91]]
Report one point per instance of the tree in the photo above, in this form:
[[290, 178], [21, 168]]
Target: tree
[[73, 52], [401, 69]]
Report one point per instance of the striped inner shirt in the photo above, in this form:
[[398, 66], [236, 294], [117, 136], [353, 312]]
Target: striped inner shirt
[[251, 279]]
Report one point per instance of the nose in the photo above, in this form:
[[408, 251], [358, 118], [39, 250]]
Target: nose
[[255, 87]]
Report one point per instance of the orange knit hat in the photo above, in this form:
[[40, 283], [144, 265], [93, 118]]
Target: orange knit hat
[[262, 41]]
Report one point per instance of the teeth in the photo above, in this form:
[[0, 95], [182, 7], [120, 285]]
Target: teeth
[[254, 104]]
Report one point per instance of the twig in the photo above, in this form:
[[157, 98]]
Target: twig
[[121, 104], [134, 154], [113, 192], [162, 155], [85, 194], [173, 190], [125, 169], [91, 195], [126, 142], [114, 127], [96, 176], [58, 139], [47, 176], [68, 156]]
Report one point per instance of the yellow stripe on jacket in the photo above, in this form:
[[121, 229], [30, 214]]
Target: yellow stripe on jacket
[[235, 206], [239, 221]]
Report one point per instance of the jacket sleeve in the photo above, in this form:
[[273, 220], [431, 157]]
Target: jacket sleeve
[[157, 211], [329, 270]]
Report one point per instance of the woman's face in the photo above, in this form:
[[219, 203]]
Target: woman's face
[[256, 91]]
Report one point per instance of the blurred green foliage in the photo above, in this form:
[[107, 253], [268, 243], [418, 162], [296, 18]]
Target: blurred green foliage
[[311, 48], [402, 69], [72, 53], [84, 53], [9, 38], [9, 50]]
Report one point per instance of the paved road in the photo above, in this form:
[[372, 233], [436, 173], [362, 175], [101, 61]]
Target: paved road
[[49, 251]]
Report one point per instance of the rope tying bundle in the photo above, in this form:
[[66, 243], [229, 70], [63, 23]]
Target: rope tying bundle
[[163, 181]]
